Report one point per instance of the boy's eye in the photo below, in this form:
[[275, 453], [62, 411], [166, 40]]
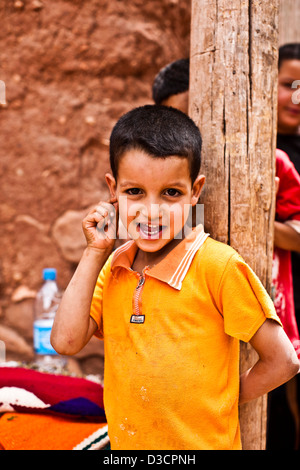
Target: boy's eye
[[172, 192], [133, 191]]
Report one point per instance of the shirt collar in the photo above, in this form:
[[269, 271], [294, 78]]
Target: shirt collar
[[174, 267]]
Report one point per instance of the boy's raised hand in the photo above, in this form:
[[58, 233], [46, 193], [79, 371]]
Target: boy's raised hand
[[100, 225], [73, 326]]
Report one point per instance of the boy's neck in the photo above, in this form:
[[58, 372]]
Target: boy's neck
[[150, 259]]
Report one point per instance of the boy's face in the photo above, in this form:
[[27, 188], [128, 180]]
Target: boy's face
[[154, 195]]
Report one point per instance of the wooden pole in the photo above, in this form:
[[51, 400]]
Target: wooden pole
[[233, 99]]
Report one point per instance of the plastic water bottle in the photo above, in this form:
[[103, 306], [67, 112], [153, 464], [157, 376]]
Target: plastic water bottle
[[46, 305]]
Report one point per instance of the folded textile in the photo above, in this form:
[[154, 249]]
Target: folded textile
[[30, 391], [26, 431]]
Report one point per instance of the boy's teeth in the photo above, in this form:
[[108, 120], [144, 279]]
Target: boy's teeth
[[150, 229]]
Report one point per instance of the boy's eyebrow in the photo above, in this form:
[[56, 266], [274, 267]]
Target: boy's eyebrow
[[177, 183], [171, 184], [128, 183]]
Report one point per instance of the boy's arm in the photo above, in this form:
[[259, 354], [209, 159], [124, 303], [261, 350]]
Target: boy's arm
[[277, 362], [73, 327]]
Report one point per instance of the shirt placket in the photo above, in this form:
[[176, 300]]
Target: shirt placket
[[137, 316]]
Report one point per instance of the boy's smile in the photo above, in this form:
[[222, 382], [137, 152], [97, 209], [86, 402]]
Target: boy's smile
[[154, 196]]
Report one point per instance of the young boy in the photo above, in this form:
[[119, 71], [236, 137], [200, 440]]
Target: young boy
[[171, 311]]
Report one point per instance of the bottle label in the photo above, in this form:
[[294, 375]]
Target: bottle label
[[41, 337]]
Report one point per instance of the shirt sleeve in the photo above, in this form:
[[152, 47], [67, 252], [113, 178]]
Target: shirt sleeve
[[96, 305], [243, 300]]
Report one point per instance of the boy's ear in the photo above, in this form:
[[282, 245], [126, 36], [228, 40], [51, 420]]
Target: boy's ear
[[112, 184], [197, 189]]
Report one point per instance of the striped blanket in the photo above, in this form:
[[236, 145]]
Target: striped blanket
[[42, 411]]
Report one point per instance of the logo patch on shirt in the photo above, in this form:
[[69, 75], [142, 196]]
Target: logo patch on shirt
[[137, 319]]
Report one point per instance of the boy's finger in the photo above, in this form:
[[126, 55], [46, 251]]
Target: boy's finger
[[114, 214], [113, 200], [109, 206], [102, 211], [105, 210]]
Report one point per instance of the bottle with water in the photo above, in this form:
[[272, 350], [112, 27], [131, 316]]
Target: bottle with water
[[46, 305]]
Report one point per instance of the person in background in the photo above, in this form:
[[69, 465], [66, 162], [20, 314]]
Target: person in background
[[288, 131], [284, 423], [171, 85]]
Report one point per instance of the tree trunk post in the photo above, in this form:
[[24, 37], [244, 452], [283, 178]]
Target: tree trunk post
[[233, 100]]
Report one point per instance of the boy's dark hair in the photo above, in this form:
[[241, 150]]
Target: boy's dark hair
[[289, 52], [159, 131], [171, 80]]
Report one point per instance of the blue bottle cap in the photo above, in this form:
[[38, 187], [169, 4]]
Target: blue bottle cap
[[49, 274]]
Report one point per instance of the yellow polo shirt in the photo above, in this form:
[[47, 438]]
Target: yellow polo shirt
[[171, 339]]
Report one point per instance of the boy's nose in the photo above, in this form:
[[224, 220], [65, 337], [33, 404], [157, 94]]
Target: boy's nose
[[151, 211]]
